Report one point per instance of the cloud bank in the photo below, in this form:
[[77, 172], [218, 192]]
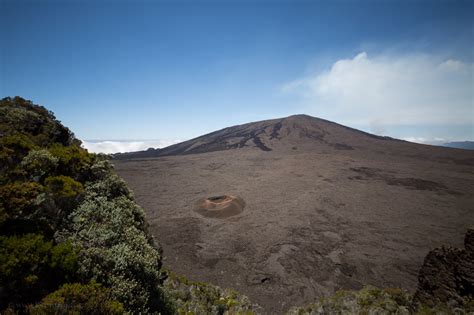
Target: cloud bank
[[109, 147], [390, 90]]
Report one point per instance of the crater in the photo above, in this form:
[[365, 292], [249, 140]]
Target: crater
[[219, 207]]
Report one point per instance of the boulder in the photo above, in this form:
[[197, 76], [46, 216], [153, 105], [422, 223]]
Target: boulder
[[447, 275]]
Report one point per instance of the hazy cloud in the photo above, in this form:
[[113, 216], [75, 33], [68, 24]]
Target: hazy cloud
[[125, 146], [390, 90], [417, 140], [432, 141]]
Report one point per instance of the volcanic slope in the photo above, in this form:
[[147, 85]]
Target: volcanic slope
[[285, 133], [317, 207]]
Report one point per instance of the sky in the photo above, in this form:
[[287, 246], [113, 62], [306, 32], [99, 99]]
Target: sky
[[127, 75]]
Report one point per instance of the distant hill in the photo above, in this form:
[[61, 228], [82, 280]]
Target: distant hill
[[289, 133], [468, 145], [301, 133]]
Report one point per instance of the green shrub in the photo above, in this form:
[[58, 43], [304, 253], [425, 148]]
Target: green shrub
[[110, 186], [31, 267], [20, 116], [63, 186], [38, 163], [79, 298], [101, 168], [74, 161], [18, 199], [369, 300], [202, 298], [12, 150], [65, 191], [30, 207], [116, 250]]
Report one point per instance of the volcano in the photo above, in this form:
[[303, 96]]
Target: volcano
[[320, 207], [276, 134]]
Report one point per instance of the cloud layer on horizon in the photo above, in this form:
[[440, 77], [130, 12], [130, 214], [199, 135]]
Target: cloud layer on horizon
[[390, 90], [111, 146]]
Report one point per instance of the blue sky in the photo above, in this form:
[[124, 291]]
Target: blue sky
[[167, 70]]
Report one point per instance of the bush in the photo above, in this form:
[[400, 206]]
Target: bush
[[74, 161], [19, 199], [65, 191], [79, 298], [63, 186], [101, 168], [369, 300], [30, 267], [28, 207], [203, 298], [38, 163], [12, 150], [116, 250], [20, 116], [111, 186]]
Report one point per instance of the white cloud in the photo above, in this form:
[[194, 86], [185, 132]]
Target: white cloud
[[125, 146], [390, 90], [432, 141], [452, 65], [417, 140]]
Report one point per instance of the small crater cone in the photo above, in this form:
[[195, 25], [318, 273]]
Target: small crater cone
[[219, 207]]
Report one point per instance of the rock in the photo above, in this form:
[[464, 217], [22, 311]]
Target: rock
[[447, 275], [469, 240]]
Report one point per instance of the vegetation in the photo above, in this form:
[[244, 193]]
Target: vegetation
[[202, 298], [91, 298], [72, 238], [31, 267], [110, 228], [371, 300]]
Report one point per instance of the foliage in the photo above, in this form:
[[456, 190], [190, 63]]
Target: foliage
[[38, 163], [115, 248], [370, 300], [78, 298], [65, 191], [12, 150], [110, 186], [19, 198], [366, 301], [63, 186], [20, 116], [36, 196], [31, 266], [26, 133], [202, 298], [73, 161], [52, 187]]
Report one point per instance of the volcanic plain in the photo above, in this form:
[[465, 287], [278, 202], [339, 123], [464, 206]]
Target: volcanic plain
[[292, 209]]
